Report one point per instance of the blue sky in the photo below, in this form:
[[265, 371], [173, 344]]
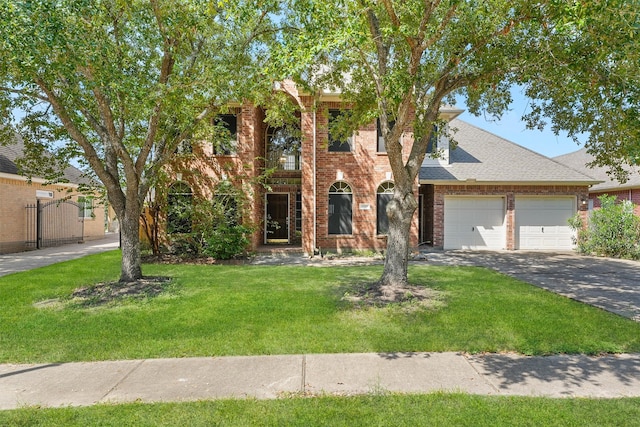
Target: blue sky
[[511, 127]]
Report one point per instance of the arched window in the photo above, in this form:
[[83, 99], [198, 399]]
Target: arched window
[[283, 147], [383, 197], [340, 208], [226, 203], [179, 208]]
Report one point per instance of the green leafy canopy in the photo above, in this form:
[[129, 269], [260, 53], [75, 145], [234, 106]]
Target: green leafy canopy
[[578, 62]]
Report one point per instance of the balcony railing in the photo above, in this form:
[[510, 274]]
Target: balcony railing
[[279, 160]]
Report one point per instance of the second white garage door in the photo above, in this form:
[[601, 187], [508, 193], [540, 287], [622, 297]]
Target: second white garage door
[[474, 223], [541, 223]]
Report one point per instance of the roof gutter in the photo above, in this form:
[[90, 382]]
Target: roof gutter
[[41, 181], [478, 182]]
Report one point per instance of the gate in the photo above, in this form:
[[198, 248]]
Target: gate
[[55, 223]]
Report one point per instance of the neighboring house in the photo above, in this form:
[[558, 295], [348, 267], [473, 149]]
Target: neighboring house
[[34, 214], [331, 195], [630, 190]]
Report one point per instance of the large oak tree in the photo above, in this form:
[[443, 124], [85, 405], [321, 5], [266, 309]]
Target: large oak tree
[[120, 83], [401, 60]]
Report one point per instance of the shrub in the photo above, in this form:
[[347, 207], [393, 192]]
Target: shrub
[[212, 227], [613, 230], [226, 241]]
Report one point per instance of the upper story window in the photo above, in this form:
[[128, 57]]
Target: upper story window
[[225, 134], [283, 148], [438, 148], [381, 148], [432, 146], [336, 143]]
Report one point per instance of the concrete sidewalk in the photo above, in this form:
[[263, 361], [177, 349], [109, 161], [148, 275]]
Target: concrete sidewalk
[[267, 377]]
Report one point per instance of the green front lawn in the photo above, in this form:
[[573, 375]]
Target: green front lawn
[[391, 410], [251, 310]]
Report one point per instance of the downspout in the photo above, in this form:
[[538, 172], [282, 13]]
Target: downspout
[[315, 205]]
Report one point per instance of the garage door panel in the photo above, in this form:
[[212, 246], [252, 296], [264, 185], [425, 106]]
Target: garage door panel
[[474, 223], [542, 223]]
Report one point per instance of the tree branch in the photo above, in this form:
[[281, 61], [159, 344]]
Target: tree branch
[[166, 69], [78, 136], [426, 44], [27, 93]]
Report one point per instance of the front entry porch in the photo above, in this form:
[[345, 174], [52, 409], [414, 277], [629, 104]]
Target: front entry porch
[[283, 217]]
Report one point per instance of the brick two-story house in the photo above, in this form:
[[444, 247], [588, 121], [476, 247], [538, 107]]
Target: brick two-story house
[[330, 195]]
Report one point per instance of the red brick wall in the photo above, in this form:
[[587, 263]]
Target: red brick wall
[[632, 194], [364, 169], [509, 192]]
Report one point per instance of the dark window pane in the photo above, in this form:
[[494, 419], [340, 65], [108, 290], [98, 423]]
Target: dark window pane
[[336, 144], [179, 207], [381, 147], [340, 213], [432, 146], [383, 219], [226, 132], [283, 148]]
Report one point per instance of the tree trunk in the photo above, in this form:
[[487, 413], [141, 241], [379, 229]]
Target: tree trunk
[[131, 269], [400, 212]]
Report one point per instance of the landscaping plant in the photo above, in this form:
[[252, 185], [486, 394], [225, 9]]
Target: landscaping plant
[[613, 230]]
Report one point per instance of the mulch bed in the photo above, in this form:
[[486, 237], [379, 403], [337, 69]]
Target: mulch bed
[[181, 259], [104, 293], [373, 295]]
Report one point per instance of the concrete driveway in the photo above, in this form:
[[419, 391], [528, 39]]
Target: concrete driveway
[[23, 261], [610, 284]]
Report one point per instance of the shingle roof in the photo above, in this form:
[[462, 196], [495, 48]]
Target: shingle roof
[[578, 160], [13, 151], [485, 157]]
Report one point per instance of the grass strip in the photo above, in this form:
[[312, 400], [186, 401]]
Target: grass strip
[[370, 410]]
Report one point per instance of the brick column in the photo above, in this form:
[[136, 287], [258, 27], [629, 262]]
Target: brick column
[[307, 162], [511, 224], [438, 219]]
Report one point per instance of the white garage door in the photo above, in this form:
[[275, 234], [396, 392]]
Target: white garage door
[[474, 223], [541, 223]]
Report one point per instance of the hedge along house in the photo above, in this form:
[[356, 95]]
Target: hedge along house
[[326, 194], [35, 214]]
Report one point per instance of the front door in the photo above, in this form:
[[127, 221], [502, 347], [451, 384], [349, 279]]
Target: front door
[[277, 221]]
